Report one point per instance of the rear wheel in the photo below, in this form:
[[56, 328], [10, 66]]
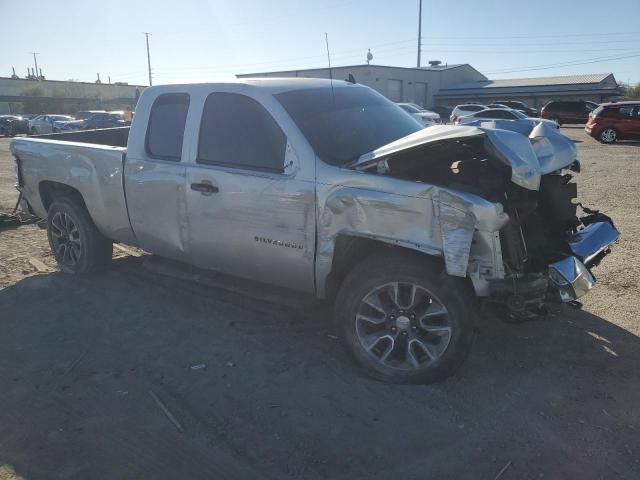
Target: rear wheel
[[403, 321], [608, 135], [76, 243]]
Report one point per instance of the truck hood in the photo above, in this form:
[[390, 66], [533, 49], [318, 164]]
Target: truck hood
[[544, 151]]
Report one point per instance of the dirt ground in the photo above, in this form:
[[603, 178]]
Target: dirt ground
[[86, 362]]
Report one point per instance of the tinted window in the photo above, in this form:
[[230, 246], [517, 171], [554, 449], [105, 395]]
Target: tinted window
[[166, 126], [625, 111], [472, 108], [238, 131], [494, 114], [343, 123]]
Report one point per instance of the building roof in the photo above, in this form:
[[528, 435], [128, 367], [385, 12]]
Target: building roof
[[593, 78], [439, 68], [596, 83]]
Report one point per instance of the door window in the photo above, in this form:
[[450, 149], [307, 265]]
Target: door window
[[166, 126], [237, 131]]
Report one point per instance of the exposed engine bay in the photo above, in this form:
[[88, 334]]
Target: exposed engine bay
[[544, 222]]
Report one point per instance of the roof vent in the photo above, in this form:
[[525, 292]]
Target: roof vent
[[435, 63]]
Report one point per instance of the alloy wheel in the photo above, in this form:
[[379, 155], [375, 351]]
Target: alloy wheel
[[66, 240], [608, 135], [403, 325]]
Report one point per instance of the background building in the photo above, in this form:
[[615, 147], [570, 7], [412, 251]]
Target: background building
[[18, 95], [536, 92], [399, 84], [450, 85]]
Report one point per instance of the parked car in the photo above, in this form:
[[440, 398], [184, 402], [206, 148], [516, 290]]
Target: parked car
[[565, 111], [523, 107], [466, 109], [426, 117], [45, 123], [511, 119], [442, 110], [328, 188], [11, 125], [614, 121], [84, 114], [104, 120]]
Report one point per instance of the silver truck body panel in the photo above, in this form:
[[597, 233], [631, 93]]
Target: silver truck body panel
[[94, 170], [426, 218]]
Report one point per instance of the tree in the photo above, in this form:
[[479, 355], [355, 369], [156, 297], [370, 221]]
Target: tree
[[631, 91]]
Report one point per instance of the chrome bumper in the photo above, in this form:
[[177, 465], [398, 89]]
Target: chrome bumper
[[571, 275]]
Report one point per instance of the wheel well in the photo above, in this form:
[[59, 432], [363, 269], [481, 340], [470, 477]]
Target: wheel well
[[350, 251], [49, 191]]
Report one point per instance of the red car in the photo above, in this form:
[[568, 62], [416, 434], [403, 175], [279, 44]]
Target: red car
[[614, 121]]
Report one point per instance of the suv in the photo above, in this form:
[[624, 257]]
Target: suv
[[614, 121], [565, 111]]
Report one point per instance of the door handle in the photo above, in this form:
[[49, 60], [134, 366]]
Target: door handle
[[204, 188]]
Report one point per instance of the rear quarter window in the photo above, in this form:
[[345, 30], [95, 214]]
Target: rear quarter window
[[167, 120]]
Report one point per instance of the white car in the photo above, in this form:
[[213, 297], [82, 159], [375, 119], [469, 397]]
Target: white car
[[505, 119], [426, 117], [466, 109], [501, 114], [46, 123]]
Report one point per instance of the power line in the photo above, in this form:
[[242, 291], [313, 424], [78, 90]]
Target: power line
[[565, 64]]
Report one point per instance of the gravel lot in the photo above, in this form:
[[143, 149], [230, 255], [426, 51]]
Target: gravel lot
[[85, 360]]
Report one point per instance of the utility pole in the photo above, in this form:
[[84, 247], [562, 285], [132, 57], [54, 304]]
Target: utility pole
[[35, 60], [419, 32], [146, 34]]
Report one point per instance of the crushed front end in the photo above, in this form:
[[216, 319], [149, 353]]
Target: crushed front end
[[549, 246], [551, 242], [507, 211]]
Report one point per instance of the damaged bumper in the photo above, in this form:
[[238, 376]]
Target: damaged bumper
[[571, 276]]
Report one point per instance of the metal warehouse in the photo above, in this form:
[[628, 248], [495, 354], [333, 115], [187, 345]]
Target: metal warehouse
[[454, 84]]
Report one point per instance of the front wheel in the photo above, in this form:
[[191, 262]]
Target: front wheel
[[608, 135], [76, 243], [403, 320]]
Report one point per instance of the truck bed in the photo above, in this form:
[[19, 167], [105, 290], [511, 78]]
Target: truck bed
[[91, 163]]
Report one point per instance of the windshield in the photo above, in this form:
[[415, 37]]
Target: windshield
[[351, 122], [409, 108]]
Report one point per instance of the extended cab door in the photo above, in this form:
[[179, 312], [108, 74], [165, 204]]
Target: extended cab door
[[155, 176], [251, 203]]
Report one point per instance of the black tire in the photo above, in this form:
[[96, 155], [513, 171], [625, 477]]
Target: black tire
[[608, 135], [379, 271], [86, 250]]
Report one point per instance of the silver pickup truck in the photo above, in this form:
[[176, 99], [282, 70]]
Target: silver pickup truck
[[326, 187]]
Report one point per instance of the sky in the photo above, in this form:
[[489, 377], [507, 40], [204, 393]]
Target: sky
[[200, 40]]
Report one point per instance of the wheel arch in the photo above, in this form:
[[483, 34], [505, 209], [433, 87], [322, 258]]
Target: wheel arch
[[350, 250], [50, 190]]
